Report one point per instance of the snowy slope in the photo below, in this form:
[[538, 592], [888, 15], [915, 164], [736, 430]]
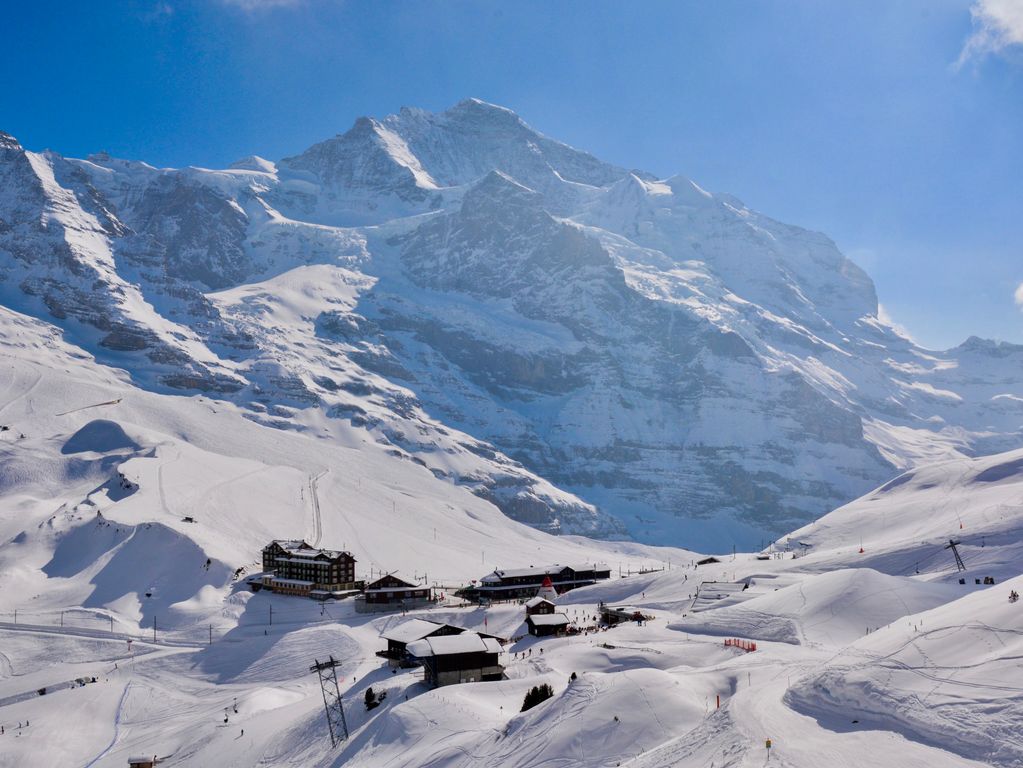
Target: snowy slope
[[947, 677], [94, 549], [903, 526]]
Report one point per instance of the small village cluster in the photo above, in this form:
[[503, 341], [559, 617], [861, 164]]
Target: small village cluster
[[447, 653]]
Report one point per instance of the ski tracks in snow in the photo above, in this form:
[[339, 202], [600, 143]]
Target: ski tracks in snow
[[314, 501], [117, 727]]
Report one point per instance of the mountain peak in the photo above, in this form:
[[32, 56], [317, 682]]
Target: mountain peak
[[7, 141], [477, 108], [253, 163], [501, 190]]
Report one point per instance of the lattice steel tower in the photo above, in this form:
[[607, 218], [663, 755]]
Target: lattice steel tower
[[327, 672], [952, 544]]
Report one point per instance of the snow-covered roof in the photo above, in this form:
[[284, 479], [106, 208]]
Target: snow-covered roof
[[292, 582], [533, 602], [549, 619], [404, 584], [302, 549], [447, 645], [309, 553], [290, 543], [540, 570], [413, 629]]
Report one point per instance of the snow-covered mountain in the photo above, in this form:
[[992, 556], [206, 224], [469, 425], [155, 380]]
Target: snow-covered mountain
[[590, 348], [128, 514]]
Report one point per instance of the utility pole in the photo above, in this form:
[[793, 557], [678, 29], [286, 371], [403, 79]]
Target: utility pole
[[211, 634], [154, 627], [62, 618], [111, 617], [327, 673], [271, 614]]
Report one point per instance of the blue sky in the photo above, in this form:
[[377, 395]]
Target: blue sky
[[892, 125]]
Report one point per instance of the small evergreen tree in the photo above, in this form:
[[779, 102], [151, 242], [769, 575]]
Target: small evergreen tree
[[371, 699], [535, 695]]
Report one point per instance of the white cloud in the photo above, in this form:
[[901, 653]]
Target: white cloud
[[250, 6], [997, 25], [1019, 296], [887, 319]]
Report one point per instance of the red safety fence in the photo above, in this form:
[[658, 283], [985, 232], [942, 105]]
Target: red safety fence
[[744, 645]]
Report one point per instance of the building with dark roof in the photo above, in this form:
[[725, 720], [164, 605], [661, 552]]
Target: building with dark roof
[[390, 593], [462, 658], [516, 583], [410, 631], [293, 567]]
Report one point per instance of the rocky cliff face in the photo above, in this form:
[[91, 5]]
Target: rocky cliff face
[[594, 350]]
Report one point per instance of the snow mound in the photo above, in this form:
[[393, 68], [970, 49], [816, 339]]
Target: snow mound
[[577, 728], [99, 436], [141, 570], [942, 678], [833, 608]]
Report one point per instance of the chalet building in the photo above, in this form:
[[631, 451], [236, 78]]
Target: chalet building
[[389, 593], [525, 582], [410, 631], [293, 567], [540, 606], [462, 658], [547, 624]]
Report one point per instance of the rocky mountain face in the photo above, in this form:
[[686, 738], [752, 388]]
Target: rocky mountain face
[[594, 350]]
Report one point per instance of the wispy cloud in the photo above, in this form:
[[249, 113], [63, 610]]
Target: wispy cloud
[[254, 6], [887, 319], [997, 26], [1019, 296], [159, 11]]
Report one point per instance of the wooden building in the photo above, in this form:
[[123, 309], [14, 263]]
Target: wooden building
[[547, 624], [149, 761], [517, 583], [463, 658], [292, 567], [540, 606], [410, 631], [389, 593]]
